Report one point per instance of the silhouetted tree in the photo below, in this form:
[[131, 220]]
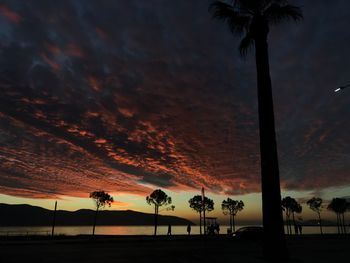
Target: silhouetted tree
[[101, 199], [232, 207], [287, 206], [252, 18], [315, 205], [197, 205], [158, 198], [339, 207], [296, 208]]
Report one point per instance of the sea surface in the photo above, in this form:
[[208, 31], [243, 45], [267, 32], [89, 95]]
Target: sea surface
[[131, 230]]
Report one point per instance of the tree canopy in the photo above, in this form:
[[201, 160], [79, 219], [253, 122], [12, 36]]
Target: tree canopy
[[158, 198], [315, 204], [197, 205], [101, 199], [232, 207]]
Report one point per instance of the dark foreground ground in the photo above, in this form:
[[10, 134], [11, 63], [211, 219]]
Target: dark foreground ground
[[307, 248]]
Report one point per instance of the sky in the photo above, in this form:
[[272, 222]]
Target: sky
[[131, 96]]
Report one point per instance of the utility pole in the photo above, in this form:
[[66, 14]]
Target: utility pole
[[54, 219]]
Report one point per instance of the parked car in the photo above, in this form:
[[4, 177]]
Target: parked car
[[250, 232]]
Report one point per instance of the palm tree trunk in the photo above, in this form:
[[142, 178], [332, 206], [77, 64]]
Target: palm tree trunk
[[231, 227], [95, 220], [274, 245], [320, 222]]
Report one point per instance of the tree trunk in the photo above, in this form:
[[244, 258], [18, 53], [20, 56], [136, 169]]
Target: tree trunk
[[320, 222], [200, 223], [233, 223], [290, 225], [274, 245], [204, 222], [155, 219], [95, 220], [295, 232], [338, 226], [343, 219], [286, 223], [231, 226]]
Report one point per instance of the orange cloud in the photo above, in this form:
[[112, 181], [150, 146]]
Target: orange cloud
[[11, 15], [75, 51], [94, 83], [54, 65]]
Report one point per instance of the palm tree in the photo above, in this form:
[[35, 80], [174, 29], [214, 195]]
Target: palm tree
[[252, 18], [101, 199], [232, 207], [315, 205], [196, 204], [158, 198]]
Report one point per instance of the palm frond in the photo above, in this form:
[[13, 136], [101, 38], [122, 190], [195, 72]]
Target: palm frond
[[247, 4], [276, 13], [246, 45], [237, 22]]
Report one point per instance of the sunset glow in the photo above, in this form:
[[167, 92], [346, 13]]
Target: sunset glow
[[160, 99]]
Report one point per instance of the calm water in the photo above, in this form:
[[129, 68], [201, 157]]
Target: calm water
[[131, 230]]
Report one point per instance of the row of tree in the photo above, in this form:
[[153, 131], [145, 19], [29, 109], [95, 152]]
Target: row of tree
[[159, 198], [200, 204], [338, 205], [230, 207]]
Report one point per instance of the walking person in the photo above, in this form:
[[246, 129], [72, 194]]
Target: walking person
[[189, 229], [169, 230], [300, 227]]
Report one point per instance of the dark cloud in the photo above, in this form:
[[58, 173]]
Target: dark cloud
[[118, 94]]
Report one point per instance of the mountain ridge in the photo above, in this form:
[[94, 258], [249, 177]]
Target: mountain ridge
[[28, 215]]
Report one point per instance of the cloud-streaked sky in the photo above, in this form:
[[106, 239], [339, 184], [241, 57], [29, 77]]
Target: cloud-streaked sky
[[127, 96]]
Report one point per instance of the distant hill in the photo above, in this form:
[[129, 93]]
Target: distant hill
[[27, 215]]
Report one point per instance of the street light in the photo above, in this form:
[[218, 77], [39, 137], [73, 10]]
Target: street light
[[341, 88]]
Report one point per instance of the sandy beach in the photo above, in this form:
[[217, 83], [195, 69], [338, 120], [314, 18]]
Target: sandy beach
[[307, 248]]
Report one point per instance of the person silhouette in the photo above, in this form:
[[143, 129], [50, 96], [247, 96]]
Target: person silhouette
[[296, 228], [189, 229], [300, 227], [218, 229], [169, 230]]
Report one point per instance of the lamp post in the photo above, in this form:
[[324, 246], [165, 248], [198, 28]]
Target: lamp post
[[341, 88]]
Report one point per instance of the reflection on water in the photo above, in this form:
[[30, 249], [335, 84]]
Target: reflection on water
[[131, 230]]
